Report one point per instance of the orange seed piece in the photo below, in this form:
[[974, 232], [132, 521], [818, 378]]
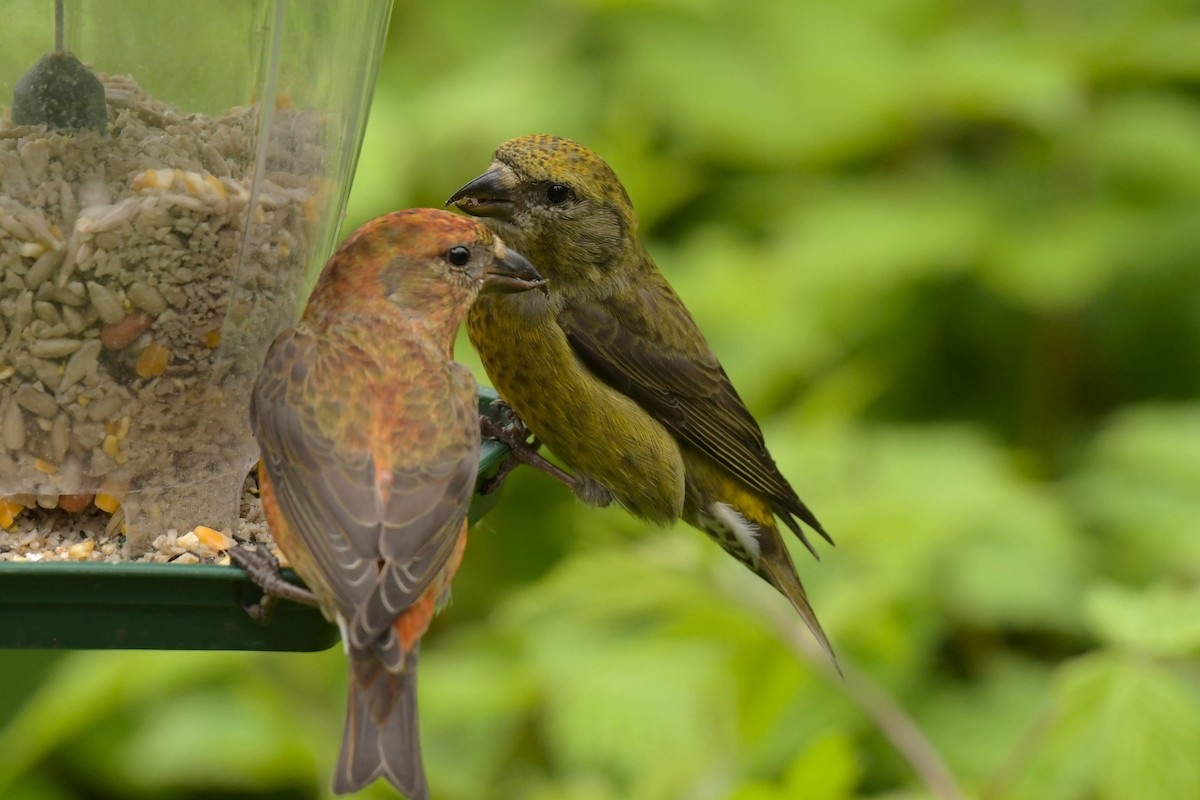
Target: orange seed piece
[[153, 360], [107, 503], [212, 539], [8, 512], [74, 503]]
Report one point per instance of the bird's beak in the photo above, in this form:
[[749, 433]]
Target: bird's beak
[[511, 273], [489, 195]]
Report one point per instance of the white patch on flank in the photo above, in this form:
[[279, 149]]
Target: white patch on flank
[[745, 532]]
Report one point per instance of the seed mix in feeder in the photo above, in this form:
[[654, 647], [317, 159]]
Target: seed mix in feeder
[[40, 534], [139, 291]]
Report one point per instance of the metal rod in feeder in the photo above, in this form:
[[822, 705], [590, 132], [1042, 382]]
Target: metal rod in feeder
[[59, 14]]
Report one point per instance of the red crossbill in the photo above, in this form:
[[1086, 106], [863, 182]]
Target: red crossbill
[[611, 372], [369, 434]]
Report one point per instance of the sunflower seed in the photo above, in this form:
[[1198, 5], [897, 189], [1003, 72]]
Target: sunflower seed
[[37, 401], [12, 428], [147, 298], [54, 348], [81, 363], [106, 303]]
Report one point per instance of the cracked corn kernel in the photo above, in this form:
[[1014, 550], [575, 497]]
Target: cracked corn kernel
[[212, 339], [8, 512], [153, 360], [111, 446], [214, 187], [212, 539], [45, 467], [81, 550], [153, 179], [107, 503]]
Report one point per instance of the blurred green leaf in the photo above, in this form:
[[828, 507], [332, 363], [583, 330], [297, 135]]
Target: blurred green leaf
[[1163, 620], [236, 735], [1124, 727], [81, 690], [1140, 487], [826, 771], [1063, 257], [1009, 693]]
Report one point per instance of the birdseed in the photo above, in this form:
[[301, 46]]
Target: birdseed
[[37, 534], [142, 277]]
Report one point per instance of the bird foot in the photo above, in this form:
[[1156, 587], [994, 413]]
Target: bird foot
[[522, 450], [263, 568]]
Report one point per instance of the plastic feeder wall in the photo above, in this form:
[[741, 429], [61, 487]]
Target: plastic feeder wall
[[148, 259]]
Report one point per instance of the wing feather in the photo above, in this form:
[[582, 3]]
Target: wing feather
[[379, 515], [644, 343]]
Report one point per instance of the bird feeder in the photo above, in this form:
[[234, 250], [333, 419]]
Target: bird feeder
[[165, 606], [172, 177]]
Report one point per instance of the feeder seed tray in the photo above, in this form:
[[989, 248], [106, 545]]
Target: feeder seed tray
[[98, 605]]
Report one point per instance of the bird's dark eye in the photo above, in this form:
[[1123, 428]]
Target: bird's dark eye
[[558, 193], [458, 256]]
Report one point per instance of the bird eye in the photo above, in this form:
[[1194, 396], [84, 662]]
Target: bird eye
[[558, 193], [458, 256]]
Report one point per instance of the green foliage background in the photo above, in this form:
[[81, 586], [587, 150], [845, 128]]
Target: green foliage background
[[948, 251]]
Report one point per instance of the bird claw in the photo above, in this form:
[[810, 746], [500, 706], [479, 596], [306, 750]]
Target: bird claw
[[492, 484], [505, 412], [263, 568], [515, 435]]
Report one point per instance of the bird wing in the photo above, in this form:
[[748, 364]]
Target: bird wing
[[379, 511], [643, 342]]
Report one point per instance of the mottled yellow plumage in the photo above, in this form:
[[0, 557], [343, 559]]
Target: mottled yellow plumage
[[611, 372]]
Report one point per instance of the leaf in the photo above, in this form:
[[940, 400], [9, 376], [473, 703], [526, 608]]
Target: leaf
[[1162, 620], [1140, 487], [87, 687], [623, 706], [1064, 256], [758, 790], [476, 696], [186, 737], [828, 770], [1008, 693], [1145, 142], [1123, 728]]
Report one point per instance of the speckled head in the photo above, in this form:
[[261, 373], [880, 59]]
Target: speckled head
[[557, 202], [545, 158]]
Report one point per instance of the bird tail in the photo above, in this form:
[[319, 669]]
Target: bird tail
[[776, 567], [381, 736]]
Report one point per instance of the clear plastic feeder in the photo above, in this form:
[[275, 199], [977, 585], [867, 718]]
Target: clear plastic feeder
[[147, 262]]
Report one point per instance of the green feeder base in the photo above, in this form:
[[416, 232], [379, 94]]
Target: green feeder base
[[146, 606]]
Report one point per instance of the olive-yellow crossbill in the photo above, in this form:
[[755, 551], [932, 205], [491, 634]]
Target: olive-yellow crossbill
[[611, 372]]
